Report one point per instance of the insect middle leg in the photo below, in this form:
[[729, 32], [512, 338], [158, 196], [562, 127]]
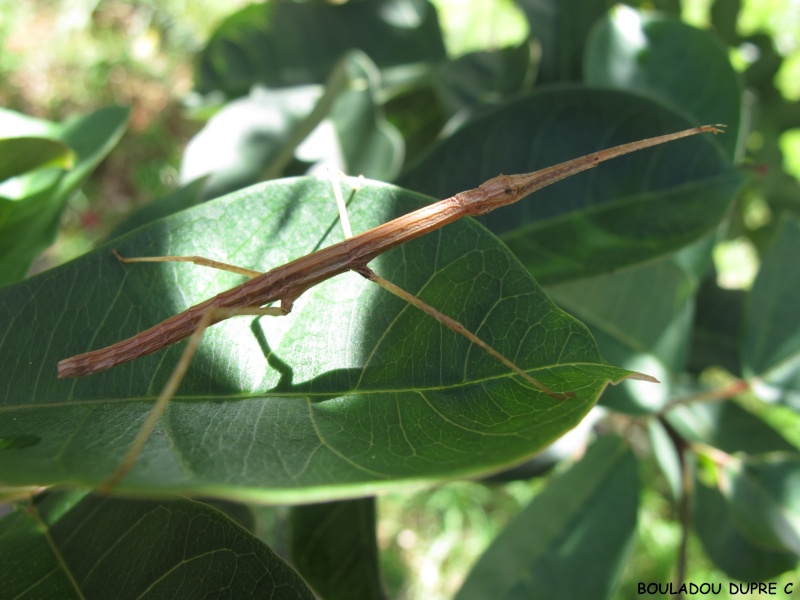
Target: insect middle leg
[[448, 322]]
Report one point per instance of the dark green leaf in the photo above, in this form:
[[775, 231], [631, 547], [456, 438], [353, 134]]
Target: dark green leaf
[[486, 77], [725, 18], [764, 497], [717, 330], [184, 197], [633, 209], [727, 546], [561, 27], [727, 426], [771, 340], [63, 546], [667, 457], [587, 516], [19, 155], [418, 115], [353, 392], [28, 225], [760, 74], [672, 7], [335, 549], [281, 44], [641, 318], [27, 560], [640, 51]]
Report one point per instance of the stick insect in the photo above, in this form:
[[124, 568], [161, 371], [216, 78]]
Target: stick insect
[[284, 284]]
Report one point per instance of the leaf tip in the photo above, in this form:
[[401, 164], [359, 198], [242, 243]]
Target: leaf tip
[[642, 377]]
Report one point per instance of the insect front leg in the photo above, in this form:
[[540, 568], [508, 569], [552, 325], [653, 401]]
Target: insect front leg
[[198, 260]]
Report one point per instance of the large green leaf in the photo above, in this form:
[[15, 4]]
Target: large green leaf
[[281, 44], [29, 223], [353, 392], [64, 546], [770, 346], [368, 144], [639, 51], [630, 210], [587, 516]]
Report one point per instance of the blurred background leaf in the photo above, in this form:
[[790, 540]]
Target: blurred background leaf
[[29, 220]]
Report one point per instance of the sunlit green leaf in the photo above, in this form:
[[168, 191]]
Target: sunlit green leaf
[[22, 154], [641, 318], [666, 455], [727, 426], [339, 125], [354, 391]]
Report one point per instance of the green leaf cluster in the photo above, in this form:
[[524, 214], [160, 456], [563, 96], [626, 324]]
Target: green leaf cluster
[[41, 165], [356, 393]]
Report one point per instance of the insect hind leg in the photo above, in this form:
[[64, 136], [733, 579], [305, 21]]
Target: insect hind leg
[[457, 327], [211, 316]]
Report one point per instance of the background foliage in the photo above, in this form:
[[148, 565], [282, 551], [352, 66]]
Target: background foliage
[[680, 264]]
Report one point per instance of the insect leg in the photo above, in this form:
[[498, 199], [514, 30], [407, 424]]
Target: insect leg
[[174, 381], [335, 177], [427, 308], [458, 328], [198, 260]]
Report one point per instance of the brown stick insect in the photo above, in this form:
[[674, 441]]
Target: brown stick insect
[[285, 283]]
